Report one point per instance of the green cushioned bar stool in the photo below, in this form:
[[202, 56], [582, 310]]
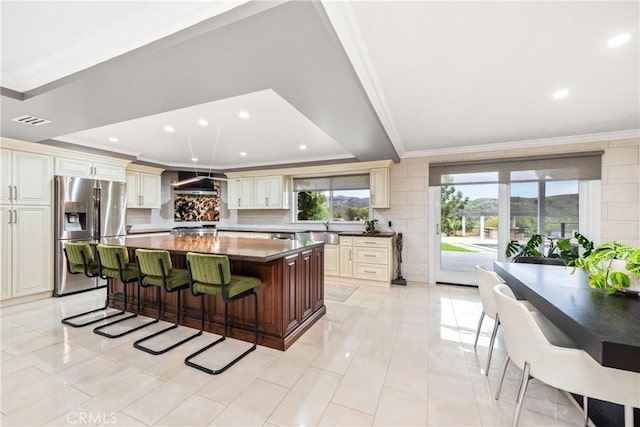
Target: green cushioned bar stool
[[156, 269], [113, 263], [211, 275], [80, 260]]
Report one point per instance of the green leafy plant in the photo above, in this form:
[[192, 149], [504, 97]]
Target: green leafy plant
[[370, 226], [603, 266], [562, 249]]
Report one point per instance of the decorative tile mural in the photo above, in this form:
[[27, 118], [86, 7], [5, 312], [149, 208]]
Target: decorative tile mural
[[196, 206]]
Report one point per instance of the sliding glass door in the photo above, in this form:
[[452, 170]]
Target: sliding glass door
[[473, 223], [468, 230]]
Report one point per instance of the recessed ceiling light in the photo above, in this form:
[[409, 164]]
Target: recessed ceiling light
[[194, 159], [243, 153], [302, 147], [244, 115], [169, 129], [619, 39], [562, 93], [114, 139], [203, 122]]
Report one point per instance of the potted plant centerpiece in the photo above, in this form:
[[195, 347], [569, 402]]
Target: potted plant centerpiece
[[613, 267], [562, 249]]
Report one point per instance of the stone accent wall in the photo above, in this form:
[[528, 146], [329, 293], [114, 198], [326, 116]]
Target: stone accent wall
[[620, 196], [621, 192]]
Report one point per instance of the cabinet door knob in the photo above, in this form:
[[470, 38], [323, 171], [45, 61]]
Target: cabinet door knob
[[10, 193], [15, 216], [15, 193], [10, 216]]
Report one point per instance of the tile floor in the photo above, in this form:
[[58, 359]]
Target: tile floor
[[399, 356]]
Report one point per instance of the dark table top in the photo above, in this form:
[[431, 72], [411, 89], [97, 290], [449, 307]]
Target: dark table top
[[607, 327]]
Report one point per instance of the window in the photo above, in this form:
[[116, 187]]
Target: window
[[336, 198]]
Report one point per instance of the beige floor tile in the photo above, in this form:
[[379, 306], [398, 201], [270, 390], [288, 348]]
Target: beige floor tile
[[253, 407], [196, 411], [148, 410], [48, 407], [224, 389], [337, 354], [121, 420], [291, 365], [339, 416], [361, 385], [94, 411], [408, 372], [397, 408], [307, 400]]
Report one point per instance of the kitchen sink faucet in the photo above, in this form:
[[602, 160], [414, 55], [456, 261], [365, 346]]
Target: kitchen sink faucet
[[326, 225]]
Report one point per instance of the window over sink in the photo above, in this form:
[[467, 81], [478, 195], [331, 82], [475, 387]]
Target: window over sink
[[334, 198]]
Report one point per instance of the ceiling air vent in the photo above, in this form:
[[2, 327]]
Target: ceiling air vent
[[30, 120]]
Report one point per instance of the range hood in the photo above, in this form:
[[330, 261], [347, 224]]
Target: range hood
[[193, 181]]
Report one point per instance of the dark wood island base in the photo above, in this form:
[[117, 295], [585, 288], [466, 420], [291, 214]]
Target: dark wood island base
[[290, 298]]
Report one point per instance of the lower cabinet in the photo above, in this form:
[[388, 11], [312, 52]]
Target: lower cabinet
[[331, 260], [303, 281], [368, 258], [25, 250]]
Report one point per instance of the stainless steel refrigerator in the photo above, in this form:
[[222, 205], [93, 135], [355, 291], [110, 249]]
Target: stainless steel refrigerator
[[85, 209]]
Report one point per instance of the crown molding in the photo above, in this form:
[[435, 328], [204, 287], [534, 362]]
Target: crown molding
[[527, 143]]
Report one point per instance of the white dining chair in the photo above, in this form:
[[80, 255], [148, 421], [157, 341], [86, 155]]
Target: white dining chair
[[486, 280], [537, 347]]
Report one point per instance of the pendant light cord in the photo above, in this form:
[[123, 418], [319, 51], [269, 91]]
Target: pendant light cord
[[215, 146]]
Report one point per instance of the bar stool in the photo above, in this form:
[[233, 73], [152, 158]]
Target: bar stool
[[113, 262], [80, 261], [211, 275], [158, 271]]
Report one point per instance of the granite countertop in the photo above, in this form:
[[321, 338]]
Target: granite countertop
[[360, 233], [256, 250], [152, 230]]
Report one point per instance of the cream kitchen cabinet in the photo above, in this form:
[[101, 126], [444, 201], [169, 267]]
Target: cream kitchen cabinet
[[363, 257], [25, 178], [270, 192], [144, 187], [331, 260], [90, 168], [25, 250], [379, 187], [240, 193], [346, 256]]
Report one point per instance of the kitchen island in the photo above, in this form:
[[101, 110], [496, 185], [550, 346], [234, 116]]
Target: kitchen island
[[290, 298]]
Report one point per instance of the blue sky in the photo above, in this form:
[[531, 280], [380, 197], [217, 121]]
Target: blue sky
[[523, 189]]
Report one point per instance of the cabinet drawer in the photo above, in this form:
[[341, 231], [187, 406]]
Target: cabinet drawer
[[370, 242], [370, 255], [370, 271], [346, 240]]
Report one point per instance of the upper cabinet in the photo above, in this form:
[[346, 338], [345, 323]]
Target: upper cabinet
[[379, 187], [260, 192], [144, 187], [86, 167], [240, 193], [25, 178], [271, 192]]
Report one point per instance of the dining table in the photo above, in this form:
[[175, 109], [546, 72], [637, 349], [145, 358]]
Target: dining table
[[606, 326]]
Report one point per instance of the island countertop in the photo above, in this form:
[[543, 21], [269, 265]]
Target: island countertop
[[236, 248]]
